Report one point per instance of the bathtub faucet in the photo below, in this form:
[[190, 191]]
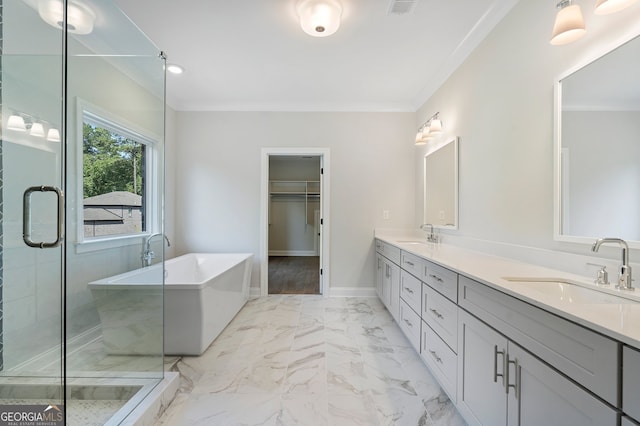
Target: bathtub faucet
[[147, 254]]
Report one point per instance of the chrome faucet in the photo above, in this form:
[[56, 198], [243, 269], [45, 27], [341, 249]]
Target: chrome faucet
[[431, 237], [624, 279], [147, 254]]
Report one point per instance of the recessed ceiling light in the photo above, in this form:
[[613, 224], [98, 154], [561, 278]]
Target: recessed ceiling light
[[175, 69]]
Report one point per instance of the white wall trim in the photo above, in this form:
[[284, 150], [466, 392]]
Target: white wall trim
[[254, 292], [352, 292], [292, 253], [325, 208]]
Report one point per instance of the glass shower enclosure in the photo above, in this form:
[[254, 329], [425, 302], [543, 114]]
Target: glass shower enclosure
[[82, 191]]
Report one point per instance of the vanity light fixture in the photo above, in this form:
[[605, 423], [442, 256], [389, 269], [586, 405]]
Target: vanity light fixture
[[16, 123], [319, 18], [569, 24], [80, 18], [605, 7], [21, 122], [430, 128]]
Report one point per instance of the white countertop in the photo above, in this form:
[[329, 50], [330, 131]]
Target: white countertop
[[620, 321]]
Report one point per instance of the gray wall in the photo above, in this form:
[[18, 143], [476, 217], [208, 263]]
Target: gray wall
[[218, 187], [500, 103]]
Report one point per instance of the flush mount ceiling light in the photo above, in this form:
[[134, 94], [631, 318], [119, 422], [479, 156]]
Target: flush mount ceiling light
[[319, 18], [80, 18], [605, 7], [569, 25]]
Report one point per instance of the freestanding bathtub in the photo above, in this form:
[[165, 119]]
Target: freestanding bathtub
[[202, 294]]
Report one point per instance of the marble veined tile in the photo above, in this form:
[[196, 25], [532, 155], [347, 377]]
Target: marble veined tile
[[348, 410], [304, 410], [442, 412], [310, 360], [228, 409], [307, 371]]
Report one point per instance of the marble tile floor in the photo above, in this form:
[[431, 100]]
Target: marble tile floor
[[309, 360]]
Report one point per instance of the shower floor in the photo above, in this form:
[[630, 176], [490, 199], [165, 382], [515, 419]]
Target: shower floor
[[103, 388], [79, 412]]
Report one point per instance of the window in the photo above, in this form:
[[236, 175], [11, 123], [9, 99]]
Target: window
[[119, 179]]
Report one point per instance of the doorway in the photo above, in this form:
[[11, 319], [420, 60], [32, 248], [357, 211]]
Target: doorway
[[294, 221]]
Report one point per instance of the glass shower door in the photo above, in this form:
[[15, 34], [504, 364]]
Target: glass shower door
[[31, 212]]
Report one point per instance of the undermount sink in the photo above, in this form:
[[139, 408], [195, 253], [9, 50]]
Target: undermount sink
[[411, 242], [566, 291]]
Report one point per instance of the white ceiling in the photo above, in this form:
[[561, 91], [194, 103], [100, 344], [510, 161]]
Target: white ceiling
[[253, 55]]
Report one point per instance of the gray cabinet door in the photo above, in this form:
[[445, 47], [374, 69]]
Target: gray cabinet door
[[380, 270], [539, 395], [394, 290], [482, 398]]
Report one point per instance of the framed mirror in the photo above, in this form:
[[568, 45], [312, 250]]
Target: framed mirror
[[441, 185], [597, 149]]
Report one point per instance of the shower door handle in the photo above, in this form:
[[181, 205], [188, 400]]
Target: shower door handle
[[26, 217]]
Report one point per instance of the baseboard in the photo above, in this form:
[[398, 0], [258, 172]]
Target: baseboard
[[254, 292], [352, 292], [292, 253]]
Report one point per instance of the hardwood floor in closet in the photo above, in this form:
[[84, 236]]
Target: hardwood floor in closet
[[294, 275]]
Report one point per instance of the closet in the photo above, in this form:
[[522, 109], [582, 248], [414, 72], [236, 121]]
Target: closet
[[294, 228]]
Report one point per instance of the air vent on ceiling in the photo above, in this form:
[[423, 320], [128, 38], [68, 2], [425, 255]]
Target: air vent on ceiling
[[400, 7]]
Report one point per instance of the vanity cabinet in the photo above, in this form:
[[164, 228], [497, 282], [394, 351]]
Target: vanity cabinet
[[631, 382], [504, 361], [388, 277], [500, 383], [588, 358], [442, 280]]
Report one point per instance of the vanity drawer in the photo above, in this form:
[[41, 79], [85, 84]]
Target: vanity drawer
[[389, 251], [413, 264], [581, 354], [410, 290], [442, 316], [631, 381], [442, 279], [440, 359], [410, 324]]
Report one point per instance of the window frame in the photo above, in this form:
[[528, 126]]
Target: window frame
[[99, 117]]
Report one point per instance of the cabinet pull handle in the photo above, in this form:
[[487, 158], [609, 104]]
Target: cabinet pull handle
[[409, 263], [436, 313], [435, 277], [435, 356], [516, 384], [496, 352], [408, 323], [407, 289]]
